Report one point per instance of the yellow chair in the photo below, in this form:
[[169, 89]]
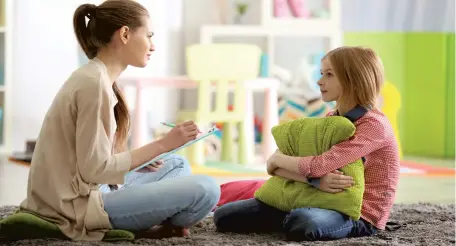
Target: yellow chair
[[390, 105], [221, 66]]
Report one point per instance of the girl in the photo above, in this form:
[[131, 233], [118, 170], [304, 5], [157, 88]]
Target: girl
[[82, 143], [351, 76]]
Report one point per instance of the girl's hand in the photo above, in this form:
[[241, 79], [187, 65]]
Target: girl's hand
[[272, 162], [180, 134], [152, 167], [335, 182]]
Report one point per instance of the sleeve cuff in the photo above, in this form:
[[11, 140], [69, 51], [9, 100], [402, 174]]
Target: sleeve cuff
[[123, 162], [315, 182]]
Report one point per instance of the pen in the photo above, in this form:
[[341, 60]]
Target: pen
[[168, 124], [172, 125]]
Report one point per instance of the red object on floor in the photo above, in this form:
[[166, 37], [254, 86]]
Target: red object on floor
[[428, 170], [239, 190]]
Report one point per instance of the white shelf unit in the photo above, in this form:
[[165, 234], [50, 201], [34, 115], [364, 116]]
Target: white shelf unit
[[6, 75], [272, 28]]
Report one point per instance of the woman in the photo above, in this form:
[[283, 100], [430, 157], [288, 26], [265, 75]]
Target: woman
[[82, 143]]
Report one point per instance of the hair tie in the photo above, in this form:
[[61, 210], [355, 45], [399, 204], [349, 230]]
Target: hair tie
[[92, 12]]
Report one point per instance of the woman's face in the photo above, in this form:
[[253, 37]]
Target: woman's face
[[137, 45]]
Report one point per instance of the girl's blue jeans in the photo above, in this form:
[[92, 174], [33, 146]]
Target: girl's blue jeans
[[303, 224], [169, 195]]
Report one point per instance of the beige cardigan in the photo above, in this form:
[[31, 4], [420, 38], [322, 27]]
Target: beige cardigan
[[74, 153]]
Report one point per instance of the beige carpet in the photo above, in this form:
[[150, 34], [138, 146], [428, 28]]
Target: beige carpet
[[423, 224]]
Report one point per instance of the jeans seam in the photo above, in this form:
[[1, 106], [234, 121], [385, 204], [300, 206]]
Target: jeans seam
[[172, 169], [115, 217], [329, 232], [338, 230], [133, 180], [190, 214], [312, 219]]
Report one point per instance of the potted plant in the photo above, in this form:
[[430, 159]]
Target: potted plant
[[241, 9]]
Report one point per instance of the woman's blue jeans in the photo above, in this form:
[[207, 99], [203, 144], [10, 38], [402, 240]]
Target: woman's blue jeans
[[171, 194]]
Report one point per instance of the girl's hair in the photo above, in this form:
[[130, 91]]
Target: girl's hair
[[360, 73], [104, 20]]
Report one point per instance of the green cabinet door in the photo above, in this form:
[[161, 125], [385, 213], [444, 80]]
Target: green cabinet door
[[449, 133], [425, 99], [391, 49]]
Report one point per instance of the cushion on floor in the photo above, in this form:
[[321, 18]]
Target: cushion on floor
[[21, 225], [238, 190]]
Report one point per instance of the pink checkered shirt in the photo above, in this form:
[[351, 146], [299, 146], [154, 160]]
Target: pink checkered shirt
[[374, 139]]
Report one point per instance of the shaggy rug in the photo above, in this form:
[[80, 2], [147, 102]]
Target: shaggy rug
[[422, 224]]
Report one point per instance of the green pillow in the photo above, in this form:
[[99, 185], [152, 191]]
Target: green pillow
[[312, 137], [22, 225]]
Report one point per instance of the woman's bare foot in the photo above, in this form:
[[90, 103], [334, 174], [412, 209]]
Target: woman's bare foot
[[164, 231]]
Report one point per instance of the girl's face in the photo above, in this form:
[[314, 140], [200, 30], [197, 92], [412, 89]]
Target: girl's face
[[138, 47], [330, 88]]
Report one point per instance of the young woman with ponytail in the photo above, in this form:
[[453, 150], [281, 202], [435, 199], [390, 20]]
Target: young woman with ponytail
[[78, 177]]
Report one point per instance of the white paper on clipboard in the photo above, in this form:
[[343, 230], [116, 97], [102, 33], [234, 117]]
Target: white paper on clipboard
[[211, 131]]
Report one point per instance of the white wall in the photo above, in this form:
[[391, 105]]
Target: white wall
[[45, 54], [398, 16]]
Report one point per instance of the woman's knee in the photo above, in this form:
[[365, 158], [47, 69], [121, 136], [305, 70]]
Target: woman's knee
[[178, 161], [207, 189]]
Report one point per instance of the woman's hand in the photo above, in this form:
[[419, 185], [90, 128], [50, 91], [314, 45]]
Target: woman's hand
[[152, 167], [335, 182], [272, 162], [180, 134]]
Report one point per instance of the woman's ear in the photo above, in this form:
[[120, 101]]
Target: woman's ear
[[125, 34]]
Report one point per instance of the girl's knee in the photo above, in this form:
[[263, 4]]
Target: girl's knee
[[223, 217], [221, 213], [302, 217], [303, 224]]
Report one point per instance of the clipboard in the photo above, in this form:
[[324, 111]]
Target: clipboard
[[211, 131]]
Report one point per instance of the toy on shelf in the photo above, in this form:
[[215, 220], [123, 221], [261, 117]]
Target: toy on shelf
[[280, 8], [297, 8], [295, 107], [258, 125], [301, 9], [264, 65], [300, 94], [303, 82], [322, 10]]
